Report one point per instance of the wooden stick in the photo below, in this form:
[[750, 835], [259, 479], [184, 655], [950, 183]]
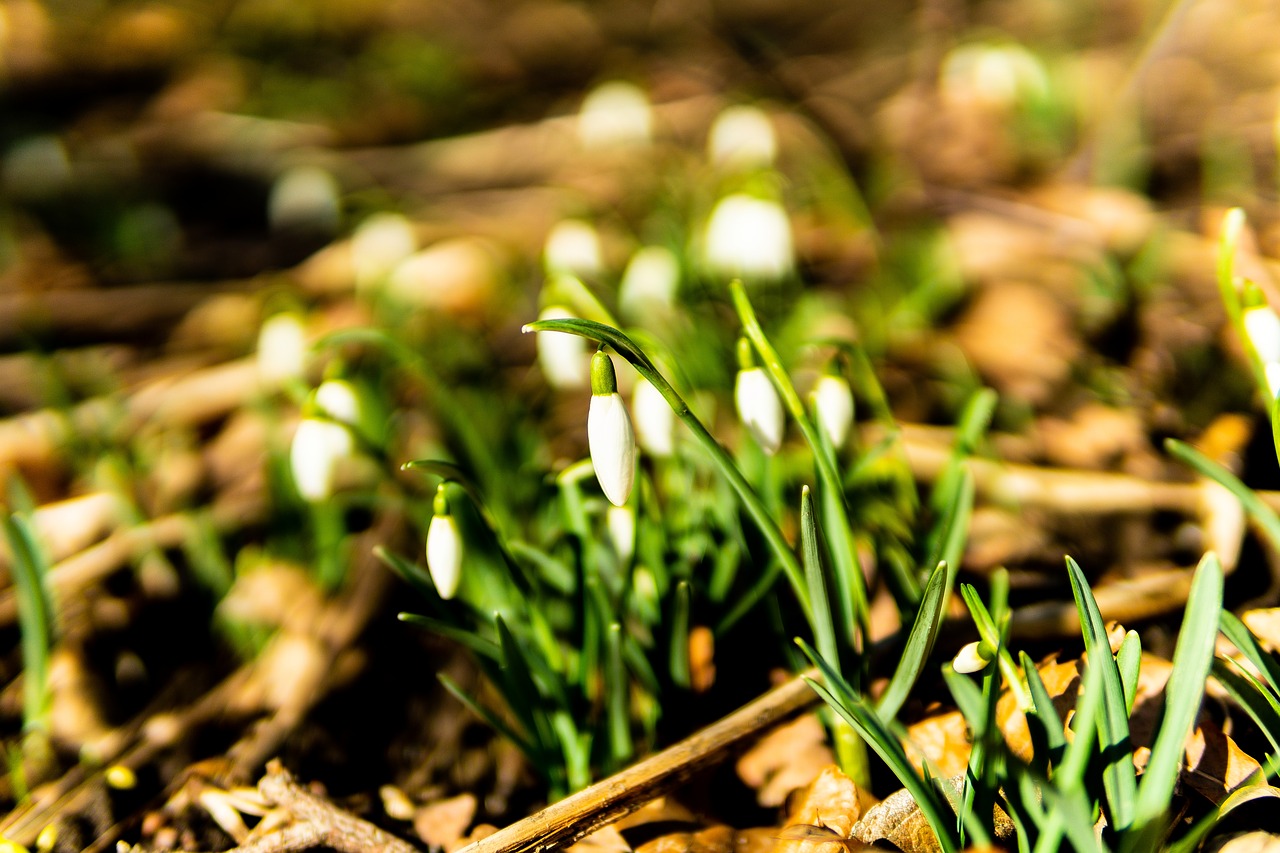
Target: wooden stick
[[578, 815]]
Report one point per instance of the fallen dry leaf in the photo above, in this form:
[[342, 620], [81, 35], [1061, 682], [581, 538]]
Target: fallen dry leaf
[[789, 757], [713, 839], [444, 823], [1216, 766], [942, 740], [829, 801], [900, 822], [606, 840], [1246, 842], [1264, 623]]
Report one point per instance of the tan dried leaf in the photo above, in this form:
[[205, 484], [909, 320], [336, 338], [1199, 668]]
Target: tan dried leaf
[[789, 757], [942, 740], [1246, 842], [829, 801], [444, 823], [900, 822], [1216, 766], [714, 839], [607, 840], [1265, 625]]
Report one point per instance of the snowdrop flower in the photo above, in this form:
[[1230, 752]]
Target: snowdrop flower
[[621, 524], [1262, 326], [833, 401], [742, 138], [609, 436], [305, 198], [655, 421], [649, 282], [615, 114], [573, 247], [757, 400], [748, 237], [970, 659], [563, 358], [318, 446], [338, 399], [997, 74], [379, 245], [444, 548], [282, 350]]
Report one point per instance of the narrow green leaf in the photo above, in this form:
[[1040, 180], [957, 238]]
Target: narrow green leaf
[[823, 630], [1118, 776], [29, 569], [1129, 662], [1262, 515], [924, 632], [678, 662], [462, 636], [617, 696], [1045, 713], [1256, 700], [1242, 638], [494, 721], [521, 689]]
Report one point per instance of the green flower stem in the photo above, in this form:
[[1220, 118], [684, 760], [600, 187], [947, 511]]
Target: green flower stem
[[850, 574], [723, 462]]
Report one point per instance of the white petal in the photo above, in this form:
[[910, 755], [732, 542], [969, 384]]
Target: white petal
[[338, 399], [742, 138], [282, 349], [1262, 325], [968, 660], [833, 401], [1272, 370], [305, 198], [650, 281], [759, 408], [313, 456], [573, 247], [655, 421], [380, 243], [615, 113], [621, 523], [564, 358], [749, 237], [444, 555], [613, 446]]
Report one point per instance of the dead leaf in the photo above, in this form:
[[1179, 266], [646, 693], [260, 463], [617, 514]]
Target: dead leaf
[[1246, 842], [1264, 623], [702, 658], [942, 740], [444, 823], [900, 822], [1216, 766], [714, 839], [1094, 438], [829, 801], [789, 757], [606, 840]]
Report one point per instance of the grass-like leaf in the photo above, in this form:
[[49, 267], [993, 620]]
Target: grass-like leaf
[[494, 721], [1262, 515], [1118, 774], [824, 633], [1183, 694], [924, 632], [1242, 638], [1129, 662], [28, 568], [1043, 721], [462, 636], [1258, 702]]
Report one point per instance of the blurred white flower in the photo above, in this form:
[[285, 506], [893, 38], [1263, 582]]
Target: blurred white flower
[[833, 401], [621, 523], [282, 350], [749, 237], [573, 247], [759, 408], [615, 113], [609, 435], [655, 422], [742, 137], [380, 243], [338, 399], [444, 548], [970, 659], [650, 282], [1262, 326], [563, 357], [997, 74], [305, 198], [318, 446]]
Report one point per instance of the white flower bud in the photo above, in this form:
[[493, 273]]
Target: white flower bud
[[615, 114], [749, 237], [970, 659], [573, 247], [742, 138], [305, 198], [759, 408], [380, 243], [833, 401], [650, 282], [282, 350], [318, 446], [1262, 325], [621, 523], [609, 436], [338, 399], [444, 549], [563, 358], [655, 422]]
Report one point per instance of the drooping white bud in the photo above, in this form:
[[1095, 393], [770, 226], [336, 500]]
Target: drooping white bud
[[305, 198], [614, 114], [609, 435], [380, 243], [338, 399], [759, 408], [573, 247], [621, 523], [1262, 325], [655, 422], [444, 548], [970, 659], [833, 401], [282, 350], [318, 446], [742, 137], [563, 358], [749, 237], [650, 282]]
